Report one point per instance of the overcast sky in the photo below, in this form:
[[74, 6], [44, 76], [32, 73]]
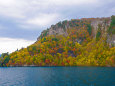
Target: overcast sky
[[21, 21]]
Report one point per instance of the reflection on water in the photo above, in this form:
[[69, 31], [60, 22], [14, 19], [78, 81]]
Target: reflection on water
[[57, 76]]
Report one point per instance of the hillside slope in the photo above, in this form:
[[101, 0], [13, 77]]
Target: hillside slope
[[78, 42]]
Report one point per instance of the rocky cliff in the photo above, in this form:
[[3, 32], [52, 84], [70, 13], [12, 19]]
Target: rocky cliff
[[61, 28]]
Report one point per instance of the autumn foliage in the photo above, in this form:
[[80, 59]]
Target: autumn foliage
[[78, 48]]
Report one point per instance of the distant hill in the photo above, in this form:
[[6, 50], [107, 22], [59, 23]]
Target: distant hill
[[78, 42]]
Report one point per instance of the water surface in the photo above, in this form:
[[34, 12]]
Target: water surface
[[57, 76]]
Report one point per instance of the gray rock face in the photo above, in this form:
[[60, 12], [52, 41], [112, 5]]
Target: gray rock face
[[111, 40], [58, 31], [103, 24], [104, 27]]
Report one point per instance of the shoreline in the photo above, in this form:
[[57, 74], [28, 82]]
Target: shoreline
[[59, 66]]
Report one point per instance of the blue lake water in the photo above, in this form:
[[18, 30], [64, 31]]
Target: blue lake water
[[57, 76]]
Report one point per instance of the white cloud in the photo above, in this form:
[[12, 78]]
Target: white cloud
[[37, 12], [10, 44], [63, 2], [43, 19], [7, 2], [12, 8], [72, 2]]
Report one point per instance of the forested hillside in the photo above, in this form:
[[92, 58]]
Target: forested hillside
[[78, 42]]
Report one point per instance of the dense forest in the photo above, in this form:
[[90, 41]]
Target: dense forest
[[78, 46]]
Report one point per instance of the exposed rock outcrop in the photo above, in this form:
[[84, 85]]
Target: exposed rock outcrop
[[61, 28]]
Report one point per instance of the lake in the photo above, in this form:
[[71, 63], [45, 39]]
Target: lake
[[57, 76]]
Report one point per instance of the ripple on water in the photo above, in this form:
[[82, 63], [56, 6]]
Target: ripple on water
[[57, 76]]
